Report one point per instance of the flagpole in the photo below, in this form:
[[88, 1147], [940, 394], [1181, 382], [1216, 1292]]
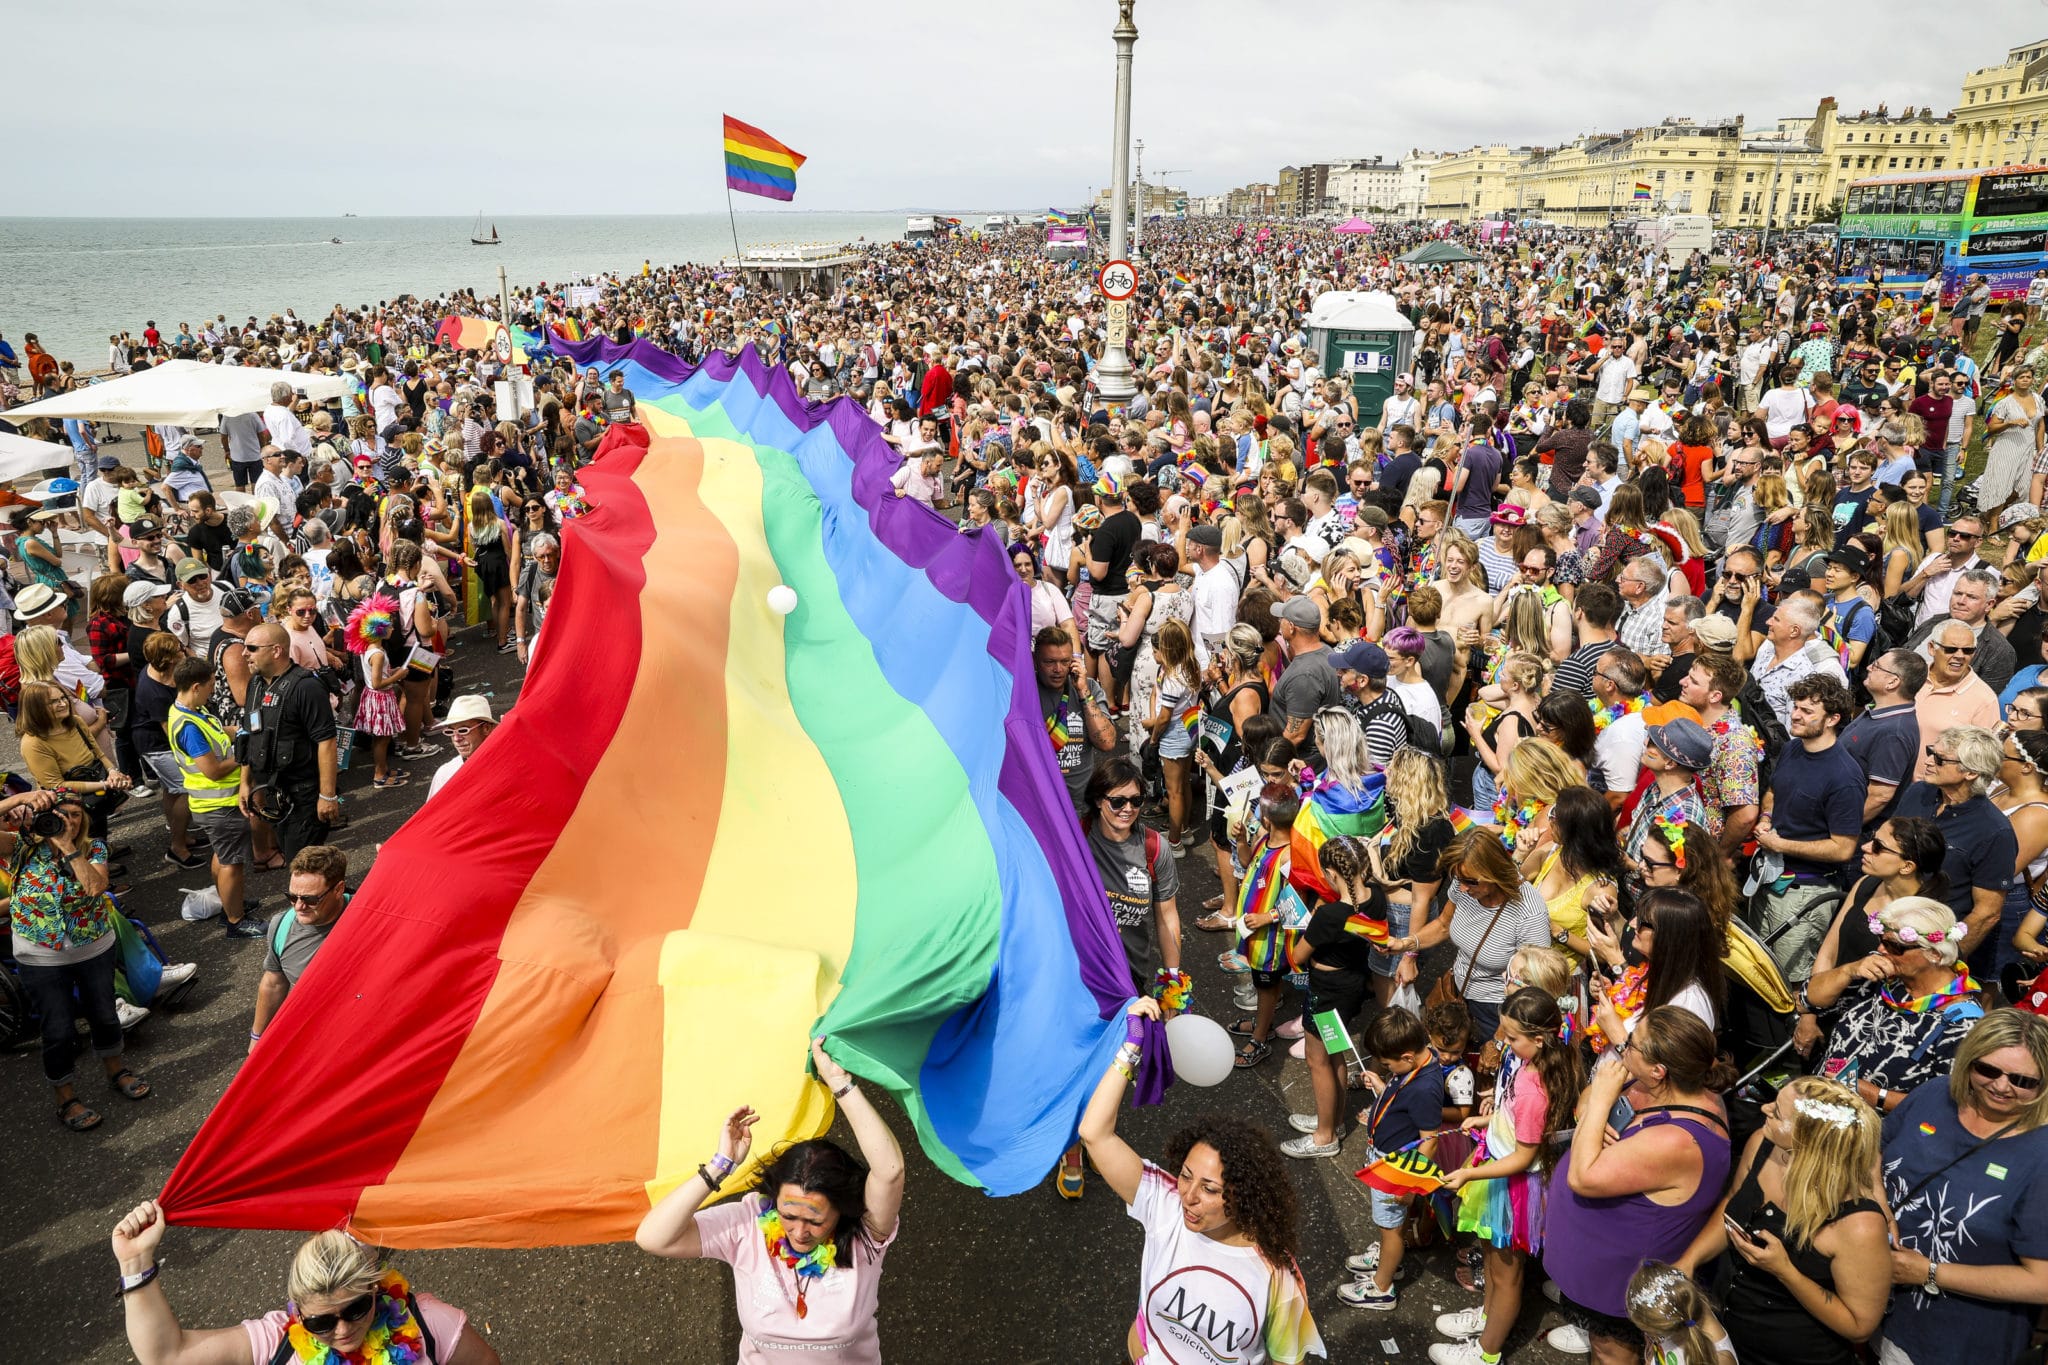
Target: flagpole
[[735, 224]]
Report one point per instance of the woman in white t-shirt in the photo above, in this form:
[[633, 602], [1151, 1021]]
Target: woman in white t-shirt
[[1405, 645], [1220, 1224], [341, 1293], [806, 1244]]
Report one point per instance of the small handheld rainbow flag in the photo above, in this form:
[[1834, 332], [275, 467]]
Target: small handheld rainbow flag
[[1642, 190], [1404, 1172], [1366, 927], [1180, 278], [756, 163]]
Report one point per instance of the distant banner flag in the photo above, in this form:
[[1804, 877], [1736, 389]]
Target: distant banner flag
[[1404, 1172], [756, 163], [1180, 277], [1642, 190], [1055, 216]]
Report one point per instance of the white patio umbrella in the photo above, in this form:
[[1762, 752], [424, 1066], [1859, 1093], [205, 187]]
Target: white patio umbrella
[[183, 393]]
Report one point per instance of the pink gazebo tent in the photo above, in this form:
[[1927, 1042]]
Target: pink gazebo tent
[[1355, 225]]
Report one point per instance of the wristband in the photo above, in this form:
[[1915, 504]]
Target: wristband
[[845, 1090], [255, 1037], [712, 1181], [131, 1283], [721, 1163], [325, 797]]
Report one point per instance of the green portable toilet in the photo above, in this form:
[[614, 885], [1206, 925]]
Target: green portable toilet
[[1363, 337]]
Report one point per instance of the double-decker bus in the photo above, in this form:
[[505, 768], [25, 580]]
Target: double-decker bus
[[1899, 229]]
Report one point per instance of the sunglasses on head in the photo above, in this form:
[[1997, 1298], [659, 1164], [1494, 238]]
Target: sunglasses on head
[[1986, 1072], [320, 1324]]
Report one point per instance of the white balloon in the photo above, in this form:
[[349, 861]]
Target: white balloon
[[1202, 1054], [782, 599]]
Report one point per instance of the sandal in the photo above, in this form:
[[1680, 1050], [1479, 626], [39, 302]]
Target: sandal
[[270, 864], [385, 784], [129, 1084], [1242, 1028], [1215, 923], [78, 1116], [1252, 1053]]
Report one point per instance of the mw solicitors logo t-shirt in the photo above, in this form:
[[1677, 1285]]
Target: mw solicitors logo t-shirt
[[1201, 1302]]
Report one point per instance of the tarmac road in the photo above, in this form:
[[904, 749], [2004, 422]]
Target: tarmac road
[[1027, 1279]]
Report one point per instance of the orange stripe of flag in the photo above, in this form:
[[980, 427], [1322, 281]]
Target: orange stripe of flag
[[747, 133]]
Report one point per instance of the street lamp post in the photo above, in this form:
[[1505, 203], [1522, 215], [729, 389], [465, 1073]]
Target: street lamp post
[[1113, 374]]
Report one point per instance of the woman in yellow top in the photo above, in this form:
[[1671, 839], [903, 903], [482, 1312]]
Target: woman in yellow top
[[1579, 854], [58, 751]]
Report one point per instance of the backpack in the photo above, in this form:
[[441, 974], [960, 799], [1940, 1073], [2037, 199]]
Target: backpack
[[1758, 715]]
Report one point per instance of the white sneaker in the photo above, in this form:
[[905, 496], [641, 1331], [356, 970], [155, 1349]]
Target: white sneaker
[[1456, 1353], [1466, 1322], [141, 791], [129, 1015], [1365, 1262], [1569, 1339], [175, 976], [1245, 997]]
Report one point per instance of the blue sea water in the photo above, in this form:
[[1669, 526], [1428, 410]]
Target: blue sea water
[[75, 281]]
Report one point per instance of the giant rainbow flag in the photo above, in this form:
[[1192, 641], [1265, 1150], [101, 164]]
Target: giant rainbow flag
[[705, 833], [756, 163]]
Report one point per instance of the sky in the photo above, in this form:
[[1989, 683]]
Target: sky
[[219, 108]]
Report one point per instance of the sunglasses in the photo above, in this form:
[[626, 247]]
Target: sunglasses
[[1984, 1071], [295, 898], [1120, 802], [1956, 649], [320, 1324]]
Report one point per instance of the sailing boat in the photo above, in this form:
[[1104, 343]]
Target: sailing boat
[[476, 236]]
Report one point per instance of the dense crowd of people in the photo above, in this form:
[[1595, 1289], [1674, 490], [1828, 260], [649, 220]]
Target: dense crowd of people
[[1621, 752]]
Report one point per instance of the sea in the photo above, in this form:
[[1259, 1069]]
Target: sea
[[75, 281]]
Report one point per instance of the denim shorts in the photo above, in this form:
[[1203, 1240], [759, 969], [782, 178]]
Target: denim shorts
[[1383, 963], [1389, 1210]]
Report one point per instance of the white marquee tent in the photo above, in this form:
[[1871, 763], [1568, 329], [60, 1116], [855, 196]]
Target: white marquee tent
[[21, 457], [182, 393]]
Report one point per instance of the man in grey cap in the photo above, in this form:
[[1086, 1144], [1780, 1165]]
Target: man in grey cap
[[1677, 753], [1309, 682], [1584, 505], [1218, 585], [1362, 670]]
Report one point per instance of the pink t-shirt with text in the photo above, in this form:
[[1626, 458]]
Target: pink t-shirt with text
[[838, 1327]]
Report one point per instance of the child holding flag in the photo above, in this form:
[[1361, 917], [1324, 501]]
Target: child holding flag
[[1407, 1103], [1270, 914], [1501, 1196]]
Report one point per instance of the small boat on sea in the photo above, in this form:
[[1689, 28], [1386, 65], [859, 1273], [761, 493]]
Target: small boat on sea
[[476, 236], [334, 241]]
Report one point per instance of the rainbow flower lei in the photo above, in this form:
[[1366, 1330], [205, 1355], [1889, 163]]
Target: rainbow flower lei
[[394, 1340], [1513, 820], [1605, 713], [811, 1265]]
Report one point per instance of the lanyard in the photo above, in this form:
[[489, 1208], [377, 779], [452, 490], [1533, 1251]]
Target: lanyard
[[1385, 1101]]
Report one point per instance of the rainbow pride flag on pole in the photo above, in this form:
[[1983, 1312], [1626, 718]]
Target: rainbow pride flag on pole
[[706, 834], [756, 163], [1642, 190]]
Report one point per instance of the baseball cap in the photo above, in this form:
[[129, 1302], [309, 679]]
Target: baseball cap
[[143, 527], [1850, 558], [1360, 656], [188, 570], [135, 594], [1301, 613], [1714, 632], [2017, 513], [1684, 742], [109, 462], [237, 602]]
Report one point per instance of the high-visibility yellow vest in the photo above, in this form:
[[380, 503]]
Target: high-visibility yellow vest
[[203, 793]]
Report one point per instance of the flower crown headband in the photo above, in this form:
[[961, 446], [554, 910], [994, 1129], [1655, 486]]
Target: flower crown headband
[[1674, 837], [1909, 934]]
